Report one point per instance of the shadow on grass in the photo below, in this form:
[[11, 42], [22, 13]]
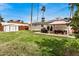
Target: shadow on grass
[[55, 47]]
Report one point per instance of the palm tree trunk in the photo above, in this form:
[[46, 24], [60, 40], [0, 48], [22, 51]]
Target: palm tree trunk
[[71, 10]]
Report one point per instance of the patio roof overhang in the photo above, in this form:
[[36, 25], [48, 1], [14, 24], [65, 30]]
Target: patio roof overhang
[[59, 23]]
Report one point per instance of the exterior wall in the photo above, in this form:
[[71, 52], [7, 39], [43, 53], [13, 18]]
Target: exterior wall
[[37, 27], [70, 31], [23, 27], [1, 27], [10, 28], [13, 28], [63, 27], [6, 28], [59, 27]]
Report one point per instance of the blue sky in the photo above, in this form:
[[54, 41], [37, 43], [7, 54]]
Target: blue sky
[[21, 11]]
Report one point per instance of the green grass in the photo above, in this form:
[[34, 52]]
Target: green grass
[[26, 43]]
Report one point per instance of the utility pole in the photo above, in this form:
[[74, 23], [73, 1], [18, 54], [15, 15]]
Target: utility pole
[[31, 16], [37, 11]]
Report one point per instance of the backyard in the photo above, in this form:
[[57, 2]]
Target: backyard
[[27, 43]]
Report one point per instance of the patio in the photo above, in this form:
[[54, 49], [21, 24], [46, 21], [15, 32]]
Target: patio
[[52, 34], [60, 27]]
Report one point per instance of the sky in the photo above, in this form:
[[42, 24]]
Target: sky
[[22, 11]]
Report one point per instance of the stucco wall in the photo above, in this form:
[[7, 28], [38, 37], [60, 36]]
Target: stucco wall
[[60, 27], [1, 27], [23, 27], [37, 27]]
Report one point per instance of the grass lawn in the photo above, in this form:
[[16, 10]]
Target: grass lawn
[[29, 44]]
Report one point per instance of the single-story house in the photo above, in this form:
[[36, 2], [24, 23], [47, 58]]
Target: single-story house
[[58, 25], [61, 26], [11, 27], [37, 25]]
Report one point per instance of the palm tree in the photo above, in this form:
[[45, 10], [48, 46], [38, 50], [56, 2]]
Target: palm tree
[[77, 11], [71, 9], [72, 5], [75, 19], [43, 10]]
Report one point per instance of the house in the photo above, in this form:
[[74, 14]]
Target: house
[[58, 25], [11, 27], [61, 26], [37, 25]]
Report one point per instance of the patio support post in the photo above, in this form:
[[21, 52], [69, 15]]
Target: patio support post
[[67, 30], [49, 29], [53, 27]]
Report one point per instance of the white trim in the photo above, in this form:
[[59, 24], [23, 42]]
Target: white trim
[[5, 23], [59, 22]]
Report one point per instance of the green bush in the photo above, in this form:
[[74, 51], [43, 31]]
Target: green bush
[[56, 47], [77, 35]]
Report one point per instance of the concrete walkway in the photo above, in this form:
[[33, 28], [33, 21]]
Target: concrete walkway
[[55, 34]]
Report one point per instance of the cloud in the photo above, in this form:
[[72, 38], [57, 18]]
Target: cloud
[[4, 6], [44, 4]]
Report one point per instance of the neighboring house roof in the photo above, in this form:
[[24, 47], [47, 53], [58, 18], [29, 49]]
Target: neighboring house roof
[[59, 22], [5, 23], [65, 20]]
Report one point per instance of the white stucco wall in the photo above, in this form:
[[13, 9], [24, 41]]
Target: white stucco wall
[[10, 28], [37, 27], [59, 27]]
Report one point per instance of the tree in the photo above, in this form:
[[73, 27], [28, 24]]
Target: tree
[[71, 6], [43, 18], [43, 8], [1, 19], [75, 19]]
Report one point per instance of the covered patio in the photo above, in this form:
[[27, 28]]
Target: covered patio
[[61, 27]]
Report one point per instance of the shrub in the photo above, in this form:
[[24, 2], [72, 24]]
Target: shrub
[[77, 35], [57, 47], [44, 30]]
